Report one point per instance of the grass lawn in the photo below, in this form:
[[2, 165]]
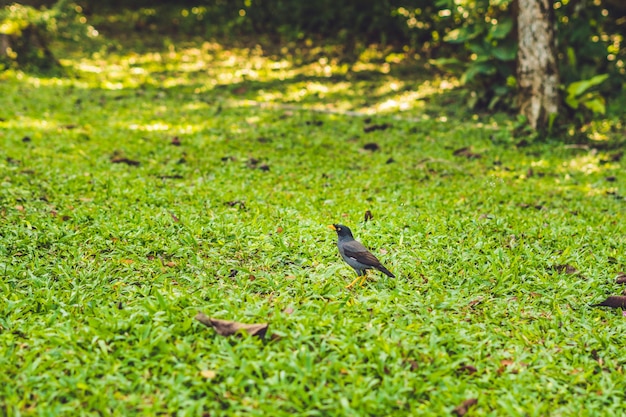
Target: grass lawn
[[149, 186]]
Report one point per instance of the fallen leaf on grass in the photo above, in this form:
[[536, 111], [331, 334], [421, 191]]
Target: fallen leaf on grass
[[368, 216], [236, 203], [508, 364], [475, 301], [413, 364], [123, 160], [614, 301], [468, 368], [372, 146], [373, 128], [229, 328], [462, 409], [175, 141], [467, 152], [176, 219], [567, 268]]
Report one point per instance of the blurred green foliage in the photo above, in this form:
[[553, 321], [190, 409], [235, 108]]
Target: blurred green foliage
[[474, 39], [26, 33]]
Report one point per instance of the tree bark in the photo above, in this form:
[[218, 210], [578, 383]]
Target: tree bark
[[537, 70]]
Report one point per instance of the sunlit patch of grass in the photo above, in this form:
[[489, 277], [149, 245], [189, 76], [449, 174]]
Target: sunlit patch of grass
[[321, 83]]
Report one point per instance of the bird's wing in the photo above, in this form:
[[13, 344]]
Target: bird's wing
[[359, 252]]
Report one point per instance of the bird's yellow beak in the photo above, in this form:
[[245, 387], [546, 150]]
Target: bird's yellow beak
[[332, 227]]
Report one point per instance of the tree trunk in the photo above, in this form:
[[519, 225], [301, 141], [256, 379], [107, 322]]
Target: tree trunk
[[537, 70]]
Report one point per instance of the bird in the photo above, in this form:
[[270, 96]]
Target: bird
[[356, 255]]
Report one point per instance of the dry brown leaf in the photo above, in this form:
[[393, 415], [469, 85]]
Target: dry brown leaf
[[116, 159], [467, 152], [475, 301], [614, 301], [462, 409], [372, 147], [373, 128], [567, 268], [468, 368], [368, 216], [413, 364], [228, 328]]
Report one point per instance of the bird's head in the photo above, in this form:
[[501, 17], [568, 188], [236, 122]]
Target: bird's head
[[342, 231]]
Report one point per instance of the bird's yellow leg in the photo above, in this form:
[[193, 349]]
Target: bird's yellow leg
[[363, 279], [353, 282]]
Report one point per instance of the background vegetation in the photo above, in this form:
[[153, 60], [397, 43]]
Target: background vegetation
[[474, 40]]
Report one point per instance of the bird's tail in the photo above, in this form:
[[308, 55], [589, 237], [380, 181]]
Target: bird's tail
[[385, 271]]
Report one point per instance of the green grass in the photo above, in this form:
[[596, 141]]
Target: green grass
[[105, 265]]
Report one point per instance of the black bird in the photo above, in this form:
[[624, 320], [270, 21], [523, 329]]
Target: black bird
[[356, 255]]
